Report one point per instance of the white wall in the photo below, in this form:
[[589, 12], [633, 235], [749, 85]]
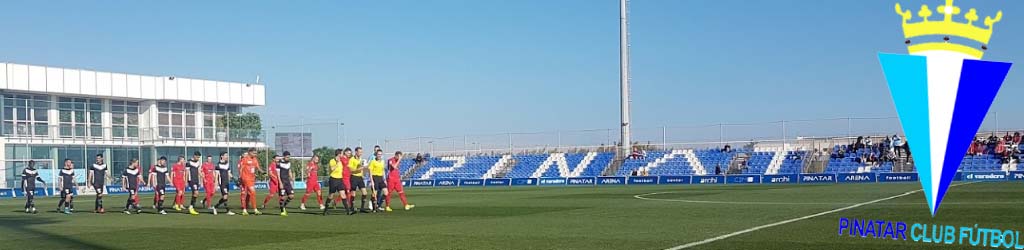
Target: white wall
[[55, 80]]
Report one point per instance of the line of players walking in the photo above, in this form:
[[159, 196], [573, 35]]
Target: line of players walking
[[345, 169]]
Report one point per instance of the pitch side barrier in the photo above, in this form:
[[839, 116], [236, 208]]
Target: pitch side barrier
[[995, 176], [710, 179]]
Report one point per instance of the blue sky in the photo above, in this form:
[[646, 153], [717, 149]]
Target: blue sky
[[398, 69]]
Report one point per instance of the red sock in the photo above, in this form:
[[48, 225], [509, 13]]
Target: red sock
[[305, 197], [242, 198], [387, 200], [320, 199], [265, 200], [404, 201]]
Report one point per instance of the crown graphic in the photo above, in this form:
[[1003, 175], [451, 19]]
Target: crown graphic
[[947, 27]]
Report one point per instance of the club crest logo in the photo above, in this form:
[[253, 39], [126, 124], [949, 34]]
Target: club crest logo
[[942, 89]]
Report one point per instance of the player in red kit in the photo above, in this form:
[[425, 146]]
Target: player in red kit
[[312, 183], [274, 181], [395, 183], [178, 180], [209, 183]]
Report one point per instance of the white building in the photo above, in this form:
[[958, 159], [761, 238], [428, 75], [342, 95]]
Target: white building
[[57, 113]]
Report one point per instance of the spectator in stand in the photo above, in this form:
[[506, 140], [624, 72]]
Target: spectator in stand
[[973, 149], [1007, 138], [867, 143], [636, 154], [634, 172], [1001, 151], [418, 159], [859, 144], [718, 169], [897, 145], [727, 148], [1016, 138]]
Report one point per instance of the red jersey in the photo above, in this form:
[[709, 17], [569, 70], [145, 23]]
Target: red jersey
[[209, 173], [272, 172], [179, 172], [312, 170], [345, 171], [393, 171]]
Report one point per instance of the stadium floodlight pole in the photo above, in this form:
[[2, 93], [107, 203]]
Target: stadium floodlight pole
[[624, 74]]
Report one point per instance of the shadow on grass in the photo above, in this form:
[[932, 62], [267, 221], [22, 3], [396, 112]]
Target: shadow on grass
[[27, 223]]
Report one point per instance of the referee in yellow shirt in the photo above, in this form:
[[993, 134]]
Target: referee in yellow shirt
[[356, 165], [380, 187], [336, 182]]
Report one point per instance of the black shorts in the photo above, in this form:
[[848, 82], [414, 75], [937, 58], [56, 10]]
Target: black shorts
[[286, 188], [132, 191], [160, 189], [357, 183], [379, 183], [67, 191], [99, 188], [224, 189], [194, 185], [335, 185]]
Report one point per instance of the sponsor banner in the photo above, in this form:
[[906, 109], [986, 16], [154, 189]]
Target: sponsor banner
[[259, 185], [6, 193], [780, 178], [856, 177], [581, 181], [985, 176], [497, 182], [674, 179], [40, 192], [116, 189], [897, 177], [1016, 175], [446, 182], [85, 191], [743, 179], [299, 185], [471, 182], [642, 180], [524, 181], [708, 179], [611, 180], [420, 183], [817, 178], [552, 181]]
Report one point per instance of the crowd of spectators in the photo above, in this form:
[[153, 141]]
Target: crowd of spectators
[[1006, 148], [890, 149]]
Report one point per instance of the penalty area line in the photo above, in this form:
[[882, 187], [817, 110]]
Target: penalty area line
[[748, 230]]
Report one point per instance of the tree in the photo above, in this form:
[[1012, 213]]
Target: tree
[[325, 154], [242, 126]]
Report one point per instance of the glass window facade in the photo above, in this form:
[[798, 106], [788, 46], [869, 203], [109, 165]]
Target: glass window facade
[[177, 120], [80, 117], [26, 115], [213, 116], [124, 119]]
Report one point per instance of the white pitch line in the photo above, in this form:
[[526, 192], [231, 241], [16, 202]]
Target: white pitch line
[[726, 236]]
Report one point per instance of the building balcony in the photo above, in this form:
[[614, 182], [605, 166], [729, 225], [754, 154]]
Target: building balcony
[[133, 135]]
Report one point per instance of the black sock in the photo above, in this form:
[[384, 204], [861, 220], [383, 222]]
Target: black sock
[[60, 205], [71, 203], [362, 202], [193, 203], [160, 205], [220, 202], [128, 204]]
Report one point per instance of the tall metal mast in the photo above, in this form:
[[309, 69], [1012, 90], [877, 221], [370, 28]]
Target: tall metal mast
[[624, 75]]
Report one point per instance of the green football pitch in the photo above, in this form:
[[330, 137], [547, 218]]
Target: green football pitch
[[622, 217]]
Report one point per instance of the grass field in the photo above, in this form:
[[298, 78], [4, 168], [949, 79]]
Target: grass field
[[534, 218]]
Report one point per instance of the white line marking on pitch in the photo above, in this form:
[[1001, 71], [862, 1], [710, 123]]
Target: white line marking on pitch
[[644, 197], [730, 235]]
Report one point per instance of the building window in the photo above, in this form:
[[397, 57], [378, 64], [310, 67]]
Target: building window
[[213, 119], [80, 117], [177, 120], [124, 117], [26, 115]]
